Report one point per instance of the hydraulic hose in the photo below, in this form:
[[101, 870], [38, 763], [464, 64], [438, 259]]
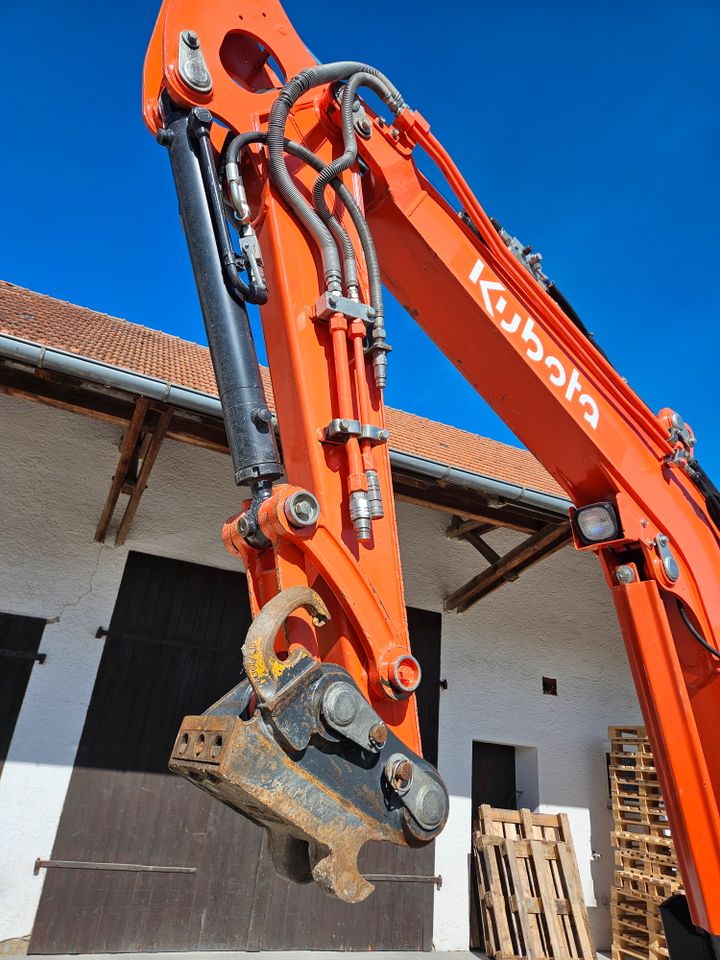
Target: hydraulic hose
[[339, 233], [199, 126], [277, 169], [238, 144], [349, 156]]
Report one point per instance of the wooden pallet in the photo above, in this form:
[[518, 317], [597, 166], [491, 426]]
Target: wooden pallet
[[647, 871], [531, 899]]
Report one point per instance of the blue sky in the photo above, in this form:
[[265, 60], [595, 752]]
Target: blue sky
[[592, 133]]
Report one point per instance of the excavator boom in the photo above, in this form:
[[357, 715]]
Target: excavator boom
[[295, 195]]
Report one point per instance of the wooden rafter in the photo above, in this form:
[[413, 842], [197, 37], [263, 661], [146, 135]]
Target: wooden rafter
[[541, 544], [158, 435], [427, 493], [120, 479], [61, 394], [460, 528]]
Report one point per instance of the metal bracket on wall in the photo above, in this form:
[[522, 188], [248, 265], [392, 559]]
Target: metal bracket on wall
[[41, 864], [23, 655]]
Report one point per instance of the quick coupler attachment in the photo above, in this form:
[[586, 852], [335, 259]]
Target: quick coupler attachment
[[298, 749]]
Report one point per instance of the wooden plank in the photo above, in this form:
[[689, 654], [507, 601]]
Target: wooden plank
[[576, 899], [530, 828], [127, 448], [459, 528], [115, 416], [559, 950], [497, 816], [489, 824], [520, 901], [504, 942], [484, 549], [485, 900], [452, 501], [548, 540], [147, 465]]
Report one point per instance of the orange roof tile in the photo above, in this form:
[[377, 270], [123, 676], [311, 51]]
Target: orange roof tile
[[98, 336]]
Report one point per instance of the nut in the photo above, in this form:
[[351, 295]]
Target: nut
[[377, 735]]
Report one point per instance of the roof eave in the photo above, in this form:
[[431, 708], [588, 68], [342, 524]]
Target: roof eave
[[130, 381]]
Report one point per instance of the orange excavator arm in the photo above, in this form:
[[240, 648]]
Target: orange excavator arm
[[295, 195]]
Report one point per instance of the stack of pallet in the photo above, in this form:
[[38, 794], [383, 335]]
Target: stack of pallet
[[647, 871], [531, 899]]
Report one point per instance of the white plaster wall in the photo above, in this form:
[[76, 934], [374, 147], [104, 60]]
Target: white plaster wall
[[556, 620], [54, 476]]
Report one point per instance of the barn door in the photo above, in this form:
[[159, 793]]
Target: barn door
[[19, 642], [173, 648]]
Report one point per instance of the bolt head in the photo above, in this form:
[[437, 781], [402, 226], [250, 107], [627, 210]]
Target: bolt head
[[625, 574], [344, 708], [340, 704], [377, 735], [262, 416], [431, 806], [302, 508], [399, 772]]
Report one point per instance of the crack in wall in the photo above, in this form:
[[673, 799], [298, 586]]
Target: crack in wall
[[86, 593]]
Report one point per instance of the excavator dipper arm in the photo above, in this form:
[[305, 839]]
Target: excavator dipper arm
[[295, 195]]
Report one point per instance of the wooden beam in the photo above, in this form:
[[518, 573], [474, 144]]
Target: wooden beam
[[193, 429], [552, 537], [483, 548], [459, 528], [471, 532], [471, 507], [108, 413], [153, 449], [127, 448]]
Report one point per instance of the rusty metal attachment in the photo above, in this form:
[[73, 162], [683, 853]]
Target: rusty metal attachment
[[297, 748]]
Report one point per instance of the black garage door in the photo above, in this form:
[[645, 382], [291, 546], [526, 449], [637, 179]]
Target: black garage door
[[172, 649]]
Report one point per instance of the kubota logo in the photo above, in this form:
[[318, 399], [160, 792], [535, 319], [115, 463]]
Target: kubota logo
[[536, 351]]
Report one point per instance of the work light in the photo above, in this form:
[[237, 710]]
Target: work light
[[597, 523]]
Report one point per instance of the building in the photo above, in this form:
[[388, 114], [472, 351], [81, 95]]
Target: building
[[105, 645]]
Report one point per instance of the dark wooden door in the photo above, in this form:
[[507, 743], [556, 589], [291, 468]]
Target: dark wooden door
[[174, 646], [19, 642], [493, 782]]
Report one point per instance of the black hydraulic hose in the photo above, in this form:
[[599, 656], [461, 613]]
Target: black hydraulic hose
[[367, 243], [707, 488], [554, 291], [237, 145], [349, 155], [698, 636], [199, 126], [277, 169]]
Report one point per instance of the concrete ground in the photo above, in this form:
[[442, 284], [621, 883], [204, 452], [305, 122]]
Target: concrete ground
[[274, 955]]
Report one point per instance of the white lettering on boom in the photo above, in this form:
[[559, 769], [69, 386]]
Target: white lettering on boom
[[535, 349]]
